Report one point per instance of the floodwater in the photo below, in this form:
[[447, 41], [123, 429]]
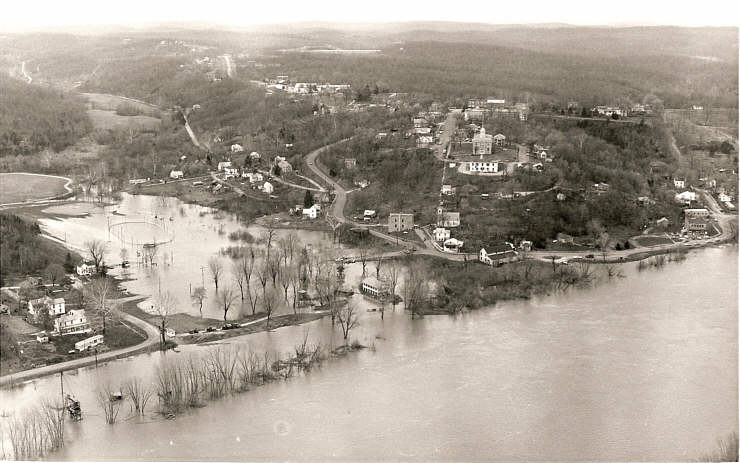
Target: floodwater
[[187, 236], [643, 367]]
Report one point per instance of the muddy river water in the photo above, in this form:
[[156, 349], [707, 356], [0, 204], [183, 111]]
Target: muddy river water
[[638, 368]]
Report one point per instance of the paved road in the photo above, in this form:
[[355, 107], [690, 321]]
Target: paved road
[[152, 339]]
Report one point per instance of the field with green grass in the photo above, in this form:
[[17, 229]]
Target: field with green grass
[[17, 187]]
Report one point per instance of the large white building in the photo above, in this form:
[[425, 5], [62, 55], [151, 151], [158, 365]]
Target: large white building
[[488, 167], [72, 322], [54, 307], [482, 143]]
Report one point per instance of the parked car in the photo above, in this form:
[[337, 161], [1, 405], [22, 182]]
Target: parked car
[[193, 331], [230, 326], [211, 329], [589, 256]]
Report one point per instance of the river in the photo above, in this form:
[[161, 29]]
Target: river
[[643, 367]]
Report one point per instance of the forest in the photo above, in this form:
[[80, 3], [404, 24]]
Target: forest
[[451, 70], [23, 251], [34, 118]]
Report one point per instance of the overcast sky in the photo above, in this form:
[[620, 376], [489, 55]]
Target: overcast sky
[[24, 14]]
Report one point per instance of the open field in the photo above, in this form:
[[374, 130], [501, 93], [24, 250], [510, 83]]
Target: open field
[[652, 240], [20, 187], [111, 102], [102, 119]]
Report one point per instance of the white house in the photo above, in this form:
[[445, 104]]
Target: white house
[[422, 130], [441, 234], [696, 212], [85, 269], [253, 176], [723, 198], [679, 183], [311, 212], [237, 148], [53, 306], [448, 219], [231, 172], [175, 174], [686, 197], [499, 139], [268, 188], [72, 322], [283, 164], [223, 165], [447, 190], [452, 245], [254, 156], [491, 167], [424, 141], [499, 254]]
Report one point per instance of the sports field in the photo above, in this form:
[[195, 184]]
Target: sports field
[[18, 187]]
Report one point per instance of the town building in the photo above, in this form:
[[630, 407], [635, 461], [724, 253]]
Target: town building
[[369, 214], [237, 148], [255, 156], [486, 167], [312, 212], [498, 254], [350, 163], [399, 221], [53, 307], [452, 245], [419, 122], [223, 165], [423, 141], [176, 174], [679, 183], [687, 197], [696, 212], [85, 269], [448, 219], [448, 190], [441, 234], [499, 139], [268, 188], [482, 143], [695, 224], [662, 222], [284, 165], [609, 111], [72, 322], [374, 287]]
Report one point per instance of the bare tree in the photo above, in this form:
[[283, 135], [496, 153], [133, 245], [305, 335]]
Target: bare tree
[[378, 264], [416, 288], [216, 268], [54, 272], [392, 273], [164, 305], [253, 299], [363, 257], [263, 274], [238, 275], [225, 299], [96, 250], [348, 318], [295, 284], [273, 265], [604, 244], [98, 292], [268, 236], [269, 304], [199, 294], [285, 278], [150, 251]]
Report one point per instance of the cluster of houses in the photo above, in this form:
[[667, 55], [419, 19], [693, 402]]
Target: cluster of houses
[[255, 179], [284, 83], [64, 322], [696, 220], [478, 109], [423, 131], [312, 212]]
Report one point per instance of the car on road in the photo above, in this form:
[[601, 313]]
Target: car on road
[[230, 326], [211, 329], [589, 256], [194, 331]]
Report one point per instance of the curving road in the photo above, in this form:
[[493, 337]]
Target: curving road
[[152, 339]]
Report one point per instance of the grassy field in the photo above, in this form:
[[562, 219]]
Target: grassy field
[[111, 102], [16, 187], [102, 119], [652, 240]]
